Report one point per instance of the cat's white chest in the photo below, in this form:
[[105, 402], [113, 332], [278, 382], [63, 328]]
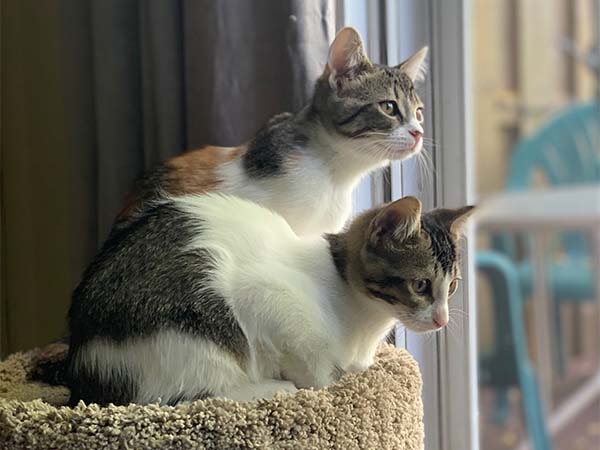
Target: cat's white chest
[[307, 197], [326, 208]]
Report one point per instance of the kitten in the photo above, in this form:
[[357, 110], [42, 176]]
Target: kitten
[[304, 166], [213, 295]]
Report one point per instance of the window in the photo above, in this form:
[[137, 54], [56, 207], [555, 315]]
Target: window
[[393, 30]]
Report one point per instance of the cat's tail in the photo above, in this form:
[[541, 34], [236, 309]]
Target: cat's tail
[[48, 363]]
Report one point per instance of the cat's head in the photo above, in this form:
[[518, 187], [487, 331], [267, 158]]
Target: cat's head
[[374, 109], [408, 262]]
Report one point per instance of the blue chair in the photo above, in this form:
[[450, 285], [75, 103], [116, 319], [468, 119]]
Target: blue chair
[[566, 150]]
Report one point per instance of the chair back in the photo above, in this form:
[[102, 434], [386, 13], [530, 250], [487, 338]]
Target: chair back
[[566, 151]]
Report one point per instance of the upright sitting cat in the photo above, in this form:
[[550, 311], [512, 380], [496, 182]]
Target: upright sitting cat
[[213, 295], [304, 166]]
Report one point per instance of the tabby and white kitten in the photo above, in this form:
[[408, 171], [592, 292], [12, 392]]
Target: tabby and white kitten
[[304, 166], [212, 295]]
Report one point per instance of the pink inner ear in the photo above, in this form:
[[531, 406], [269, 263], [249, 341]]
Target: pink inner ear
[[399, 220], [337, 61], [346, 51], [459, 221], [388, 221], [415, 66]]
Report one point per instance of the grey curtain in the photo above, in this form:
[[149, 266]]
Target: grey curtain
[[100, 91], [171, 75]]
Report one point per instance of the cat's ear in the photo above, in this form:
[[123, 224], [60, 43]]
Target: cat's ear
[[396, 221], [460, 219], [347, 56], [456, 220], [416, 66]]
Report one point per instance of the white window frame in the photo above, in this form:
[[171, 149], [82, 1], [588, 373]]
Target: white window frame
[[448, 360]]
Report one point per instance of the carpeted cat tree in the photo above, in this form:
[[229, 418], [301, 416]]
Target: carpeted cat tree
[[378, 409]]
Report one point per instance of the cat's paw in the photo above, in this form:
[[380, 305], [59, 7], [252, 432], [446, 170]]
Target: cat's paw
[[266, 389], [278, 387], [287, 388], [359, 366]]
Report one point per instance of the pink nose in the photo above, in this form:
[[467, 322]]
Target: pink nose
[[416, 134], [440, 322]]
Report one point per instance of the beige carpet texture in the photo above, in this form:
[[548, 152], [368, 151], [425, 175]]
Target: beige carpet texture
[[379, 409]]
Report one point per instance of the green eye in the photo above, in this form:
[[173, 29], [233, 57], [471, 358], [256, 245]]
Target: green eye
[[420, 286], [389, 107]]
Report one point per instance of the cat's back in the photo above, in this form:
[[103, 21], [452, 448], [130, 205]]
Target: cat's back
[[238, 227], [189, 237], [181, 263], [195, 171], [137, 266], [204, 170]]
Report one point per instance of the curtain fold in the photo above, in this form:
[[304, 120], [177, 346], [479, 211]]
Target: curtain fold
[[124, 84], [248, 60]]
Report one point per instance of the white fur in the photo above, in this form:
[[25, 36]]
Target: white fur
[[439, 309], [172, 363], [300, 318], [307, 196], [314, 195]]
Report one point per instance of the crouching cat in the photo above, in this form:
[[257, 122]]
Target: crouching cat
[[214, 295]]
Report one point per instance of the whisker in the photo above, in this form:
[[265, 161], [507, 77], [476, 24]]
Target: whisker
[[453, 330], [458, 311], [429, 338], [425, 171], [430, 142]]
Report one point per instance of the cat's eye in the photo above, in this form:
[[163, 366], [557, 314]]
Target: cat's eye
[[453, 287], [420, 286], [389, 107], [419, 115]]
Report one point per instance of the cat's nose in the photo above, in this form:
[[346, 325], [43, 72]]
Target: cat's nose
[[440, 321], [440, 316], [416, 134]]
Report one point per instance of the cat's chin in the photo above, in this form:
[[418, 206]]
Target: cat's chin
[[421, 327], [405, 153]]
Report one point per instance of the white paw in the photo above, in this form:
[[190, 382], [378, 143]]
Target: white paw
[[359, 367], [267, 389], [287, 387]]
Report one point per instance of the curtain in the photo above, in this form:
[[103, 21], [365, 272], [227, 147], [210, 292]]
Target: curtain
[[96, 92]]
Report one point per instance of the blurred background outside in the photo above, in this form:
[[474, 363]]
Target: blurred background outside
[[535, 80]]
